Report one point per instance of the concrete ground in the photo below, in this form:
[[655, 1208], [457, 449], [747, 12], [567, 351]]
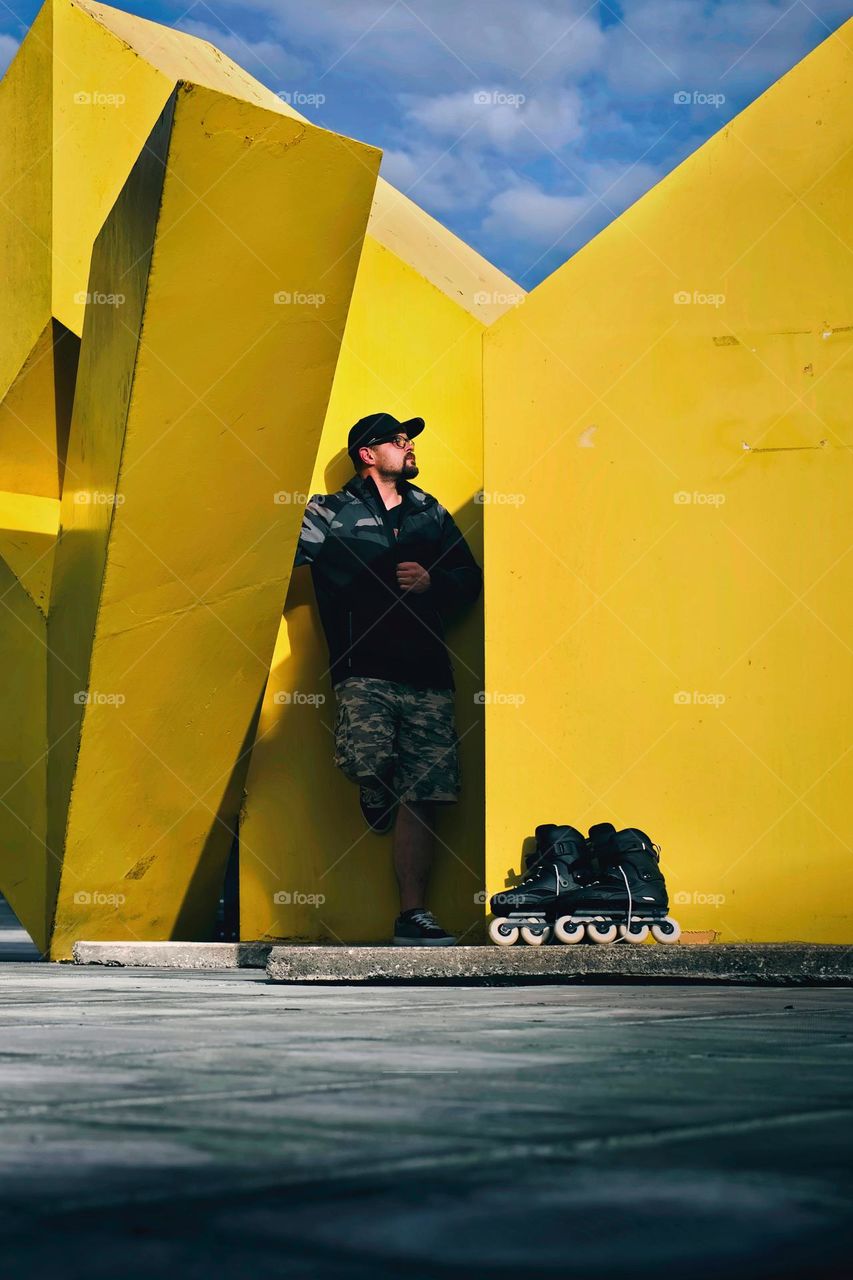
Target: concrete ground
[[216, 1124]]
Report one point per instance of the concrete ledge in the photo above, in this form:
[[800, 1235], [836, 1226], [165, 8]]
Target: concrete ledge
[[778, 964], [174, 955]]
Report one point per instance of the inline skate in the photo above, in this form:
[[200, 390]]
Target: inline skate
[[626, 900], [559, 867]]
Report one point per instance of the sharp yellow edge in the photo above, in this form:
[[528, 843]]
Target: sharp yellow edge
[[26, 180], [174, 569], [672, 593], [302, 833]]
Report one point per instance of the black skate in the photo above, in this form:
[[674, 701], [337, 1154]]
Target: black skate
[[628, 897], [557, 869]]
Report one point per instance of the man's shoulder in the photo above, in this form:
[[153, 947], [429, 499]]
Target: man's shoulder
[[328, 503], [427, 501]]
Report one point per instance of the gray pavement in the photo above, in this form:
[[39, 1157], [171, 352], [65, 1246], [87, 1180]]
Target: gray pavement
[[203, 1123]]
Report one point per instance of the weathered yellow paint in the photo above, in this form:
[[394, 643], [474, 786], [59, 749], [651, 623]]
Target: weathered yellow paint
[[174, 583], [609, 404], [411, 350]]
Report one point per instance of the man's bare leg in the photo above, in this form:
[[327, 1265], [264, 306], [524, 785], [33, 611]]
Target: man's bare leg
[[413, 849]]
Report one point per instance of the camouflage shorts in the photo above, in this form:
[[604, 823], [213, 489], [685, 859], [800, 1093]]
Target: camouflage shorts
[[397, 732]]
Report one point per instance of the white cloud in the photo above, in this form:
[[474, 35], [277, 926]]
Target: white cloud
[[267, 60], [524, 212], [494, 117], [8, 48], [557, 38], [442, 181], [664, 45]]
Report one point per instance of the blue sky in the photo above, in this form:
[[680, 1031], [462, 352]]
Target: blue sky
[[523, 125]]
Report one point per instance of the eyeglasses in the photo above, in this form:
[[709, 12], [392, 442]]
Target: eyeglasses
[[399, 440]]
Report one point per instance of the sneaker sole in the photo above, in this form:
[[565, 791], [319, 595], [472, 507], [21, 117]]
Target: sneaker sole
[[423, 942]]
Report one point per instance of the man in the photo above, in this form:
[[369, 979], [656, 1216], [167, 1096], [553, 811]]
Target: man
[[389, 566]]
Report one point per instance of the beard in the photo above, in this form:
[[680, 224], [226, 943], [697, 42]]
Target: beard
[[410, 470]]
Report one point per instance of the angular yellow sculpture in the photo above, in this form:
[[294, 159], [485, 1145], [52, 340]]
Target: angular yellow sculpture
[[203, 378], [667, 603]]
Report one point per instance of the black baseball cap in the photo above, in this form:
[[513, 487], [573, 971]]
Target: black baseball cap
[[378, 428]]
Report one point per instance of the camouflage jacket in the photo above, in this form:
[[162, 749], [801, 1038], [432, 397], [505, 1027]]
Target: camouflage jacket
[[372, 628]]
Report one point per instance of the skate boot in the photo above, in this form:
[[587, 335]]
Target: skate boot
[[627, 898], [556, 869]]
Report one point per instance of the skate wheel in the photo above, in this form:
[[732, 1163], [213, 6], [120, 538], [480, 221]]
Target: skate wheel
[[502, 932], [667, 930], [638, 932], [601, 933], [568, 930], [535, 933]]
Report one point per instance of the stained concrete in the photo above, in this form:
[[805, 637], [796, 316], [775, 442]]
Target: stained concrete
[[174, 955], [782, 964], [215, 1123]]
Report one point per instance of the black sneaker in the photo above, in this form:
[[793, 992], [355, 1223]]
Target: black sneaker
[[378, 806], [419, 928]]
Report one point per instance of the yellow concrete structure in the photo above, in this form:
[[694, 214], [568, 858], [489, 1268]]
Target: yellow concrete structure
[[668, 558], [413, 345], [650, 453], [205, 367]]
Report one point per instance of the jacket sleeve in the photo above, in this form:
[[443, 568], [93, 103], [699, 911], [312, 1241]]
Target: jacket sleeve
[[315, 526], [456, 578]]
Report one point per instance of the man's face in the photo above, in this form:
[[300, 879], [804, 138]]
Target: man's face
[[396, 458]]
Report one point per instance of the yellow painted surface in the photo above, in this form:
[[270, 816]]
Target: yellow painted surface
[[28, 529], [308, 865], [170, 574], [206, 549], [35, 415], [25, 179], [24, 855], [670, 590]]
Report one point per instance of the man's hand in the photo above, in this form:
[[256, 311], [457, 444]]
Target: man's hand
[[412, 576]]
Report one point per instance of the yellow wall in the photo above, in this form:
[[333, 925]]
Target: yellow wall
[[609, 593], [410, 350]]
